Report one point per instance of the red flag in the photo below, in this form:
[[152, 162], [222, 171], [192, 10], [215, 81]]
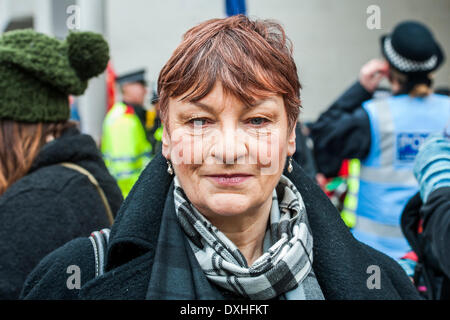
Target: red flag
[[110, 85]]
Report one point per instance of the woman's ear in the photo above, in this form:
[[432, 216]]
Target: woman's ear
[[291, 142], [166, 143]]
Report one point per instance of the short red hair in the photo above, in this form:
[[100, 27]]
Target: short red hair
[[252, 60]]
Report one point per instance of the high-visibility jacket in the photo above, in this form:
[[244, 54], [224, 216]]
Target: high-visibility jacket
[[125, 148], [154, 129], [398, 126], [348, 213]]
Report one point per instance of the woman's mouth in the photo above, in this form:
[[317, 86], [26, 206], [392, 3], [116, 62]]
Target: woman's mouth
[[229, 179]]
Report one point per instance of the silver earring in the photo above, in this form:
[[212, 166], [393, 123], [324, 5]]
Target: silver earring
[[169, 168], [290, 167]]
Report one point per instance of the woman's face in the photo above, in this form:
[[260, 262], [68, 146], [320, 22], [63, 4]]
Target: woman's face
[[228, 156]]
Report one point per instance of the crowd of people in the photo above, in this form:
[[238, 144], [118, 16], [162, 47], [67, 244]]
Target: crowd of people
[[179, 202]]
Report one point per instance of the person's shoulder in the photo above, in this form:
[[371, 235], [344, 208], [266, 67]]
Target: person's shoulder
[[119, 121], [49, 179], [62, 273], [378, 100], [441, 98], [30, 189], [440, 193], [438, 201], [118, 111]]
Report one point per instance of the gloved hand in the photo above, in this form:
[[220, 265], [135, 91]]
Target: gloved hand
[[432, 165]]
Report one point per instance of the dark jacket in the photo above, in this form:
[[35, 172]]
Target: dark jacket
[[303, 153], [50, 206], [432, 245], [135, 252], [342, 131]]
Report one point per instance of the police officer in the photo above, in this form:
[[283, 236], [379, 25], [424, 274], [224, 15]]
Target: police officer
[[128, 131], [385, 133]]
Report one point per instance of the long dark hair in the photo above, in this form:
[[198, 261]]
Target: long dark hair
[[20, 143]]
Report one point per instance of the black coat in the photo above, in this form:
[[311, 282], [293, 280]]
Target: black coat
[[432, 245], [50, 206], [342, 131], [340, 262], [303, 153]]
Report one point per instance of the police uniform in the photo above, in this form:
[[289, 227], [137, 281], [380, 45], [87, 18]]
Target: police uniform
[[126, 145], [385, 134]]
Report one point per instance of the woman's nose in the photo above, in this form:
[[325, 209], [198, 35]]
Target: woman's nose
[[230, 146]]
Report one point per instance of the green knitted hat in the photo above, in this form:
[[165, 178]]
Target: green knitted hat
[[37, 73]]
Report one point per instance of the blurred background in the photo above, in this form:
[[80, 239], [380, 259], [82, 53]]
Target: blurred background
[[331, 39]]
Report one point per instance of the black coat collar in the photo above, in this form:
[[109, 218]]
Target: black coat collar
[[138, 221], [340, 262], [72, 146]]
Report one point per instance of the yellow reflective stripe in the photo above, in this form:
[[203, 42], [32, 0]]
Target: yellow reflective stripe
[[348, 214], [354, 168], [353, 185], [350, 202], [349, 218]]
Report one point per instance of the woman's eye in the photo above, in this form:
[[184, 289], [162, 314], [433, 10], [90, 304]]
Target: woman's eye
[[198, 122], [257, 121]]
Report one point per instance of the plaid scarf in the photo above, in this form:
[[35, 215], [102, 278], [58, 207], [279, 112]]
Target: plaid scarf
[[285, 263]]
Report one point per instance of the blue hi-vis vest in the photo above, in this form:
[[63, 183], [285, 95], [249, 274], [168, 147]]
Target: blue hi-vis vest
[[398, 124]]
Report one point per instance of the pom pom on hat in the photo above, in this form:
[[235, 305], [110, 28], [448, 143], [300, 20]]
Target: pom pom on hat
[[88, 53]]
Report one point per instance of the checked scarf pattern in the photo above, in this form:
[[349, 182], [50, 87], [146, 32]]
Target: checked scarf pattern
[[285, 263]]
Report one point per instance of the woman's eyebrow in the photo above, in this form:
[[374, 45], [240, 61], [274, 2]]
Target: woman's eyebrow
[[212, 109], [261, 101], [202, 105]]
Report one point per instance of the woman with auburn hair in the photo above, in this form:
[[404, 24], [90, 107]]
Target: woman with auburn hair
[[48, 170], [223, 212]]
